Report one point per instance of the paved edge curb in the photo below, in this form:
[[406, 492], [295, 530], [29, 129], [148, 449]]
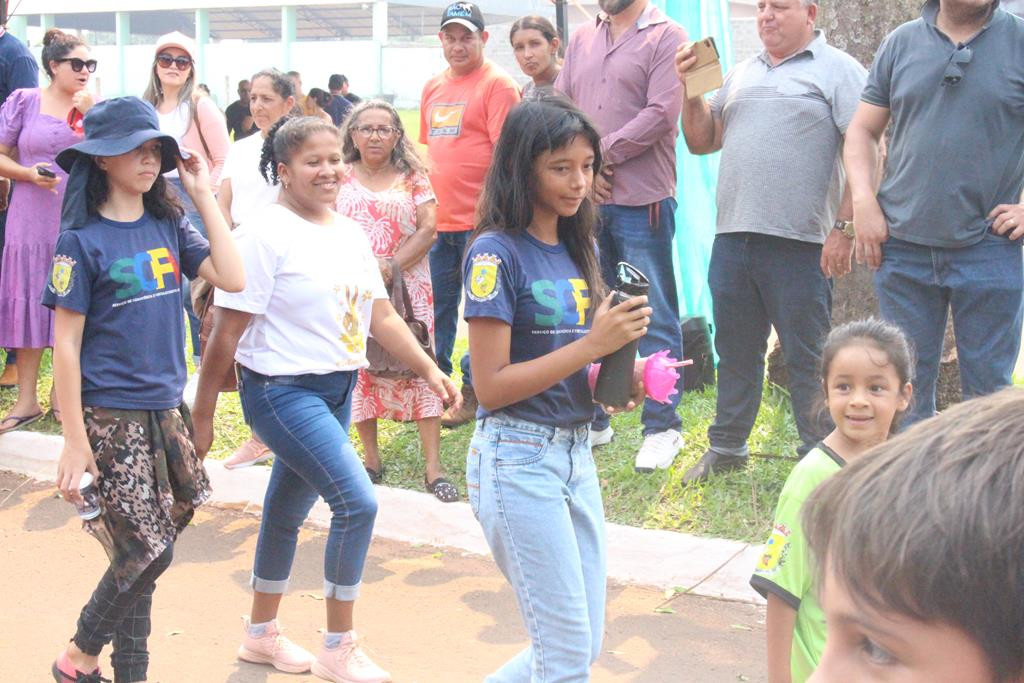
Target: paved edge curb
[[710, 567]]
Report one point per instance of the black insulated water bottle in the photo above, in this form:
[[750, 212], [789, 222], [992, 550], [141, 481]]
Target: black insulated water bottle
[[615, 379]]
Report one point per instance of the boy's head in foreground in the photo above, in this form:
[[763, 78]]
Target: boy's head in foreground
[[920, 545]]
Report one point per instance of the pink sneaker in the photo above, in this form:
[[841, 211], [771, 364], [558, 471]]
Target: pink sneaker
[[65, 672], [347, 663], [274, 649], [249, 453]]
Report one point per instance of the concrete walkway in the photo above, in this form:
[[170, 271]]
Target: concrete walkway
[[709, 567]]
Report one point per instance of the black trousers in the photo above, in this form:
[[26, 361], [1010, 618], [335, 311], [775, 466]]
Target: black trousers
[[122, 617]]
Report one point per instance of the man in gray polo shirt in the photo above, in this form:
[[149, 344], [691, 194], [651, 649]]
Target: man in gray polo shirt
[[779, 120], [944, 229]]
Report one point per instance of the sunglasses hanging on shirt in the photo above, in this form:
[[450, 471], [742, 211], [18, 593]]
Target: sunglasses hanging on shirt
[[955, 69]]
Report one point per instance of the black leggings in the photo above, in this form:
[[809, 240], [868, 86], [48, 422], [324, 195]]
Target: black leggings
[[122, 617]]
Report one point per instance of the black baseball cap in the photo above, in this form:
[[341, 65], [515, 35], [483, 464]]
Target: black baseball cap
[[464, 13]]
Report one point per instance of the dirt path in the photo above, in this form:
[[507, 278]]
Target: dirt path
[[427, 615]]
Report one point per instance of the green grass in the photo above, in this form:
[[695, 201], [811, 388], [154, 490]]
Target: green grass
[[738, 505]]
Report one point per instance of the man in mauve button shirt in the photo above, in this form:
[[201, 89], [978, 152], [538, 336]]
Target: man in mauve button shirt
[[619, 69]]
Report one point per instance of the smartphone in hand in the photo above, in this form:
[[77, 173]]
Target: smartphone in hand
[[45, 172]]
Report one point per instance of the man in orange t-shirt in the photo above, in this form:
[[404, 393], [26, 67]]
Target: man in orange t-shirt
[[461, 113]]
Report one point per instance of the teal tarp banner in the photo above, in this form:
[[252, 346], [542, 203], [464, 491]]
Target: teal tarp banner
[[697, 175]]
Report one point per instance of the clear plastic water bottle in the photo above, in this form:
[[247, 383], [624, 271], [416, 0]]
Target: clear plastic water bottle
[[89, 507]]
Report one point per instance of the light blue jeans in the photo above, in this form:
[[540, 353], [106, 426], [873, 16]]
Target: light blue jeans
[[535, 491]]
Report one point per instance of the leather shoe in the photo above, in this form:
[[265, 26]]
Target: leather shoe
[[713, 462]]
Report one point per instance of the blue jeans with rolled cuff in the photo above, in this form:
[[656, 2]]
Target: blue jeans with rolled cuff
[[535, 492], [642, 236], [981, 285], [758, 282], [304, 420]]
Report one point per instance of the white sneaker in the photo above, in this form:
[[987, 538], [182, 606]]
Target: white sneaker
[[274, 649], [348, 663], [600, 437], [658, 450], [191, 386]]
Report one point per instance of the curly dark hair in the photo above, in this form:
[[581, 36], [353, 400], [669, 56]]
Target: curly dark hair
[[286, 136], [57, 45]]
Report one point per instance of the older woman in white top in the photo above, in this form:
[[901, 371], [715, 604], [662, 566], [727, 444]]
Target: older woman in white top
[[245, 193]]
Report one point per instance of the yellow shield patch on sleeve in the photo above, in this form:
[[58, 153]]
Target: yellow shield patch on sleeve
[[60, 278], [774, 550], [483, 277]]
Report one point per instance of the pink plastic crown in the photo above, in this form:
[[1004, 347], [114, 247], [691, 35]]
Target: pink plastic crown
[[659, 375]]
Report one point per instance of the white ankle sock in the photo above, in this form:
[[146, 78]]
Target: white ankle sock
[[257, 630], [332, 640]]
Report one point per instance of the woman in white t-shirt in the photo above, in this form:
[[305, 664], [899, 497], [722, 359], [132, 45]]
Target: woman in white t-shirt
[[313, 294], [244, 192]]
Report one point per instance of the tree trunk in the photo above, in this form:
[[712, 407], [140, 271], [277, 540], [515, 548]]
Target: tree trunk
[[858, 27]]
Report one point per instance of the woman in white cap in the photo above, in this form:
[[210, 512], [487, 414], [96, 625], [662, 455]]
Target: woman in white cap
[[195, 122]]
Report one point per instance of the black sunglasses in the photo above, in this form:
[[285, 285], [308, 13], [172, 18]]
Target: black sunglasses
[[954, 70], [78, 64], [181, 63]]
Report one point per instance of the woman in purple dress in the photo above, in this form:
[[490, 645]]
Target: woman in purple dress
[[34, 128]]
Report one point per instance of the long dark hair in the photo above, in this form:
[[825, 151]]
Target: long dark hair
[[160, 201], [531, 129]]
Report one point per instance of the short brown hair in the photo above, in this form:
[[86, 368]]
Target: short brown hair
[[930, 525]]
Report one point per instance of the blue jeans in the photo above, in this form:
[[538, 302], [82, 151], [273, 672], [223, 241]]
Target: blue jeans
[[535, 491], [304, 419], [628, 234], [197, 221], [446, 281], [982, 285], [758, 282]]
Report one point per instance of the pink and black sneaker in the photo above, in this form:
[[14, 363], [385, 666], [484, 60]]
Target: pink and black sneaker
[[65, 672]]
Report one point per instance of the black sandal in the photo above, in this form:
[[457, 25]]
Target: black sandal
[[375, 476], [442, 489]]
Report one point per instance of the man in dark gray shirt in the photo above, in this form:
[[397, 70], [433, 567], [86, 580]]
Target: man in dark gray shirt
[[943, 230]]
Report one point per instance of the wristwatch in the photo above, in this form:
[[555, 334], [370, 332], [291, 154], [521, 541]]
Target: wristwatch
[[846, 227]]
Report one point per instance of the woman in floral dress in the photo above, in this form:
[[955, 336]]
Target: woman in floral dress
[[387, 192]]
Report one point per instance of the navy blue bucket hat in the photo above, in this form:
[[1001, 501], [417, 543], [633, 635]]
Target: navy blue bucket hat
[[112, 127]]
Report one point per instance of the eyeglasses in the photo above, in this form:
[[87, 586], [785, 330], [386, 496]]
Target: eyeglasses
[[181, 63], [384, 132], [78, 64], [954, 70]]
